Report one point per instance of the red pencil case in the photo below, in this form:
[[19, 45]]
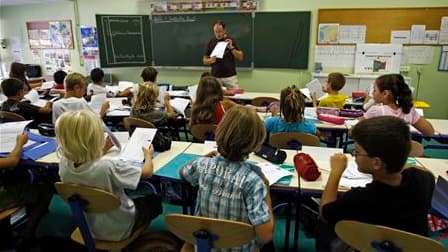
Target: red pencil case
[[331, 118]]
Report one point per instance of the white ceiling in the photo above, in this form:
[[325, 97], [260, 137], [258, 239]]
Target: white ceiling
[[23, 2]]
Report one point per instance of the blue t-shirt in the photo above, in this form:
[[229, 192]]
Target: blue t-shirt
[[276, 124]]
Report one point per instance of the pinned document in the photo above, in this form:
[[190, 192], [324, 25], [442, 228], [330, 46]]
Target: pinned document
[[219, 50]]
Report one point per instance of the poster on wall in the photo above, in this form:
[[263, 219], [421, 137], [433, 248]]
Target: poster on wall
[[55, 60], [50, 34], [378, 58], [90, 50]]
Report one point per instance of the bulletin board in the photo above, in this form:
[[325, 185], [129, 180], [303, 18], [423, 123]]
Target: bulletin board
[[381, 21], [56, 34]]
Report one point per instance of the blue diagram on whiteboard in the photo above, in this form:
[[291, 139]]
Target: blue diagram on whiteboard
[[378, 58]]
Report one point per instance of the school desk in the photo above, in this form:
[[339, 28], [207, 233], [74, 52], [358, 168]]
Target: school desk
[[438, 167], [440, 126]]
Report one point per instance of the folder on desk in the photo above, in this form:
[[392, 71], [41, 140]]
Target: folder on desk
[[440, 197], [42, 147], [171, 169]]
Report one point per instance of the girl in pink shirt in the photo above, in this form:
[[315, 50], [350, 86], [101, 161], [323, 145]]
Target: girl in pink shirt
[[394, 97]]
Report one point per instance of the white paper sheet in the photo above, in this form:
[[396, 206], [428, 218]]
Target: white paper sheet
[[417, 34], [219, 49], [162, 92], [306, 92], [116, 103], [273, 173], [142, 137], [8, 134], [352, 34], [321, 153], [97, 101], [47, 85], [315, 86], [443, 35], [122, 85], [192, 92], [400, 37], [210, 146], [349, 183], [335, 55], [33, 97], [431, 37], [417, 55], [180, 104], [310, 113], [351, 172]]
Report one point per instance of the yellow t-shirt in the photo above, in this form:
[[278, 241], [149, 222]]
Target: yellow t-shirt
[[333, 101]]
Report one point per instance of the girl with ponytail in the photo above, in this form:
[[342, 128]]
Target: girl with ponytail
[[394, 97], [291, 118]]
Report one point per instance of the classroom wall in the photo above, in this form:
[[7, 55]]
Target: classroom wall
[[433, 84]]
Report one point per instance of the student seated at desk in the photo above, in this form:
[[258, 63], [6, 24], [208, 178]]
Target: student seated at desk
[[149, 74], [291, 117], [75, 89], [229, 187], [225, 91], [81, 142], [58, 78], [14, 90], [334, 84], [210, 106], [145, 107], [98, 86], [397, 198], [15, 191], [394, 97], [17, 71]]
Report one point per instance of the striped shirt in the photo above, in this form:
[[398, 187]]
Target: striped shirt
[[229, 190]]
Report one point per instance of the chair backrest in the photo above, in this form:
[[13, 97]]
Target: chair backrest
[[416, 149], [228, 233], [130, 123], [97, 200], [86, 199], [263, 101], [203, 132], [367, 237], [293, 140], [6, 116]]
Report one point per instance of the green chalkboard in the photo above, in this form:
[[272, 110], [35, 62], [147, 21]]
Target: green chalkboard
[[124, 40], [268, 39], [180, 39], [281, 39]]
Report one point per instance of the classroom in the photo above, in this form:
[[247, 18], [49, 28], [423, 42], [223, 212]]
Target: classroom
[[263, 72]]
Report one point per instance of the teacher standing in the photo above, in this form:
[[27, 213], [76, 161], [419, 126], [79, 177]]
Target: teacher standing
[[223, 69]]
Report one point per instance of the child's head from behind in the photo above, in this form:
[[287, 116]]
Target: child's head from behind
[[240, 132], [17, 70], [208, 87], [13, 87], [97, 75], [392, 88], [146, 97], [292, 104], [80, 136], [382, 142], [59, 77], [149, 74], [76, 83], [335, 82]]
